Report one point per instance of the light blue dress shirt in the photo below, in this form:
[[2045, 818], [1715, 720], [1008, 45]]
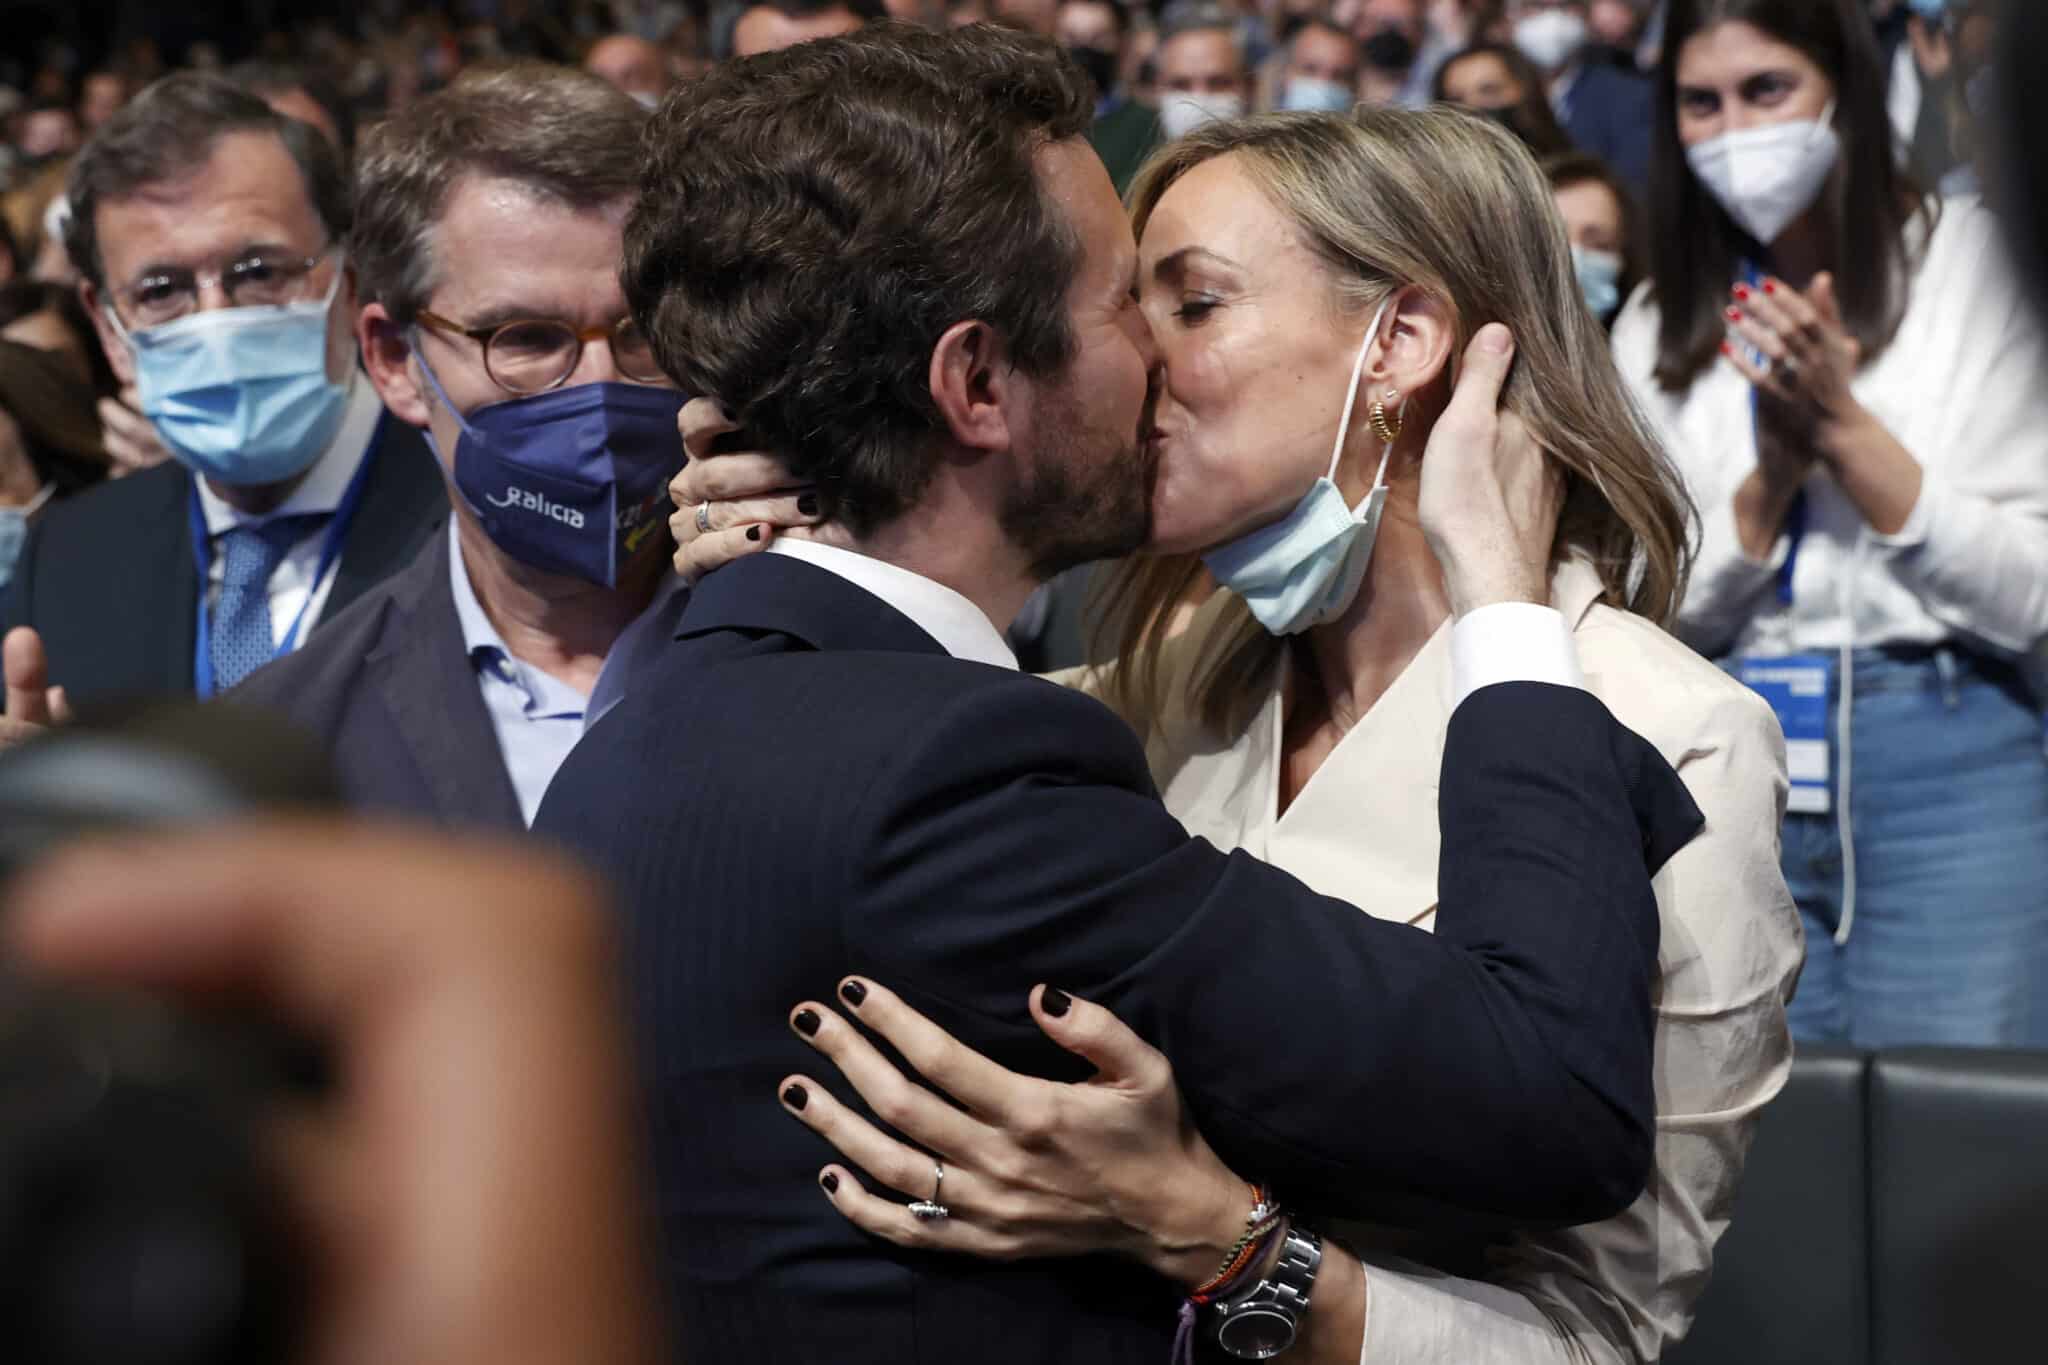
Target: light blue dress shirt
[[537, 716]]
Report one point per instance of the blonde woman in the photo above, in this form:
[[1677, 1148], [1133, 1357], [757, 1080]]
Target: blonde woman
[[1308, 280]]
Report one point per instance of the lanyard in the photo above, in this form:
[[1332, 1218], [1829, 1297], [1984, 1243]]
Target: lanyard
[[330, 551], [1795, 516]]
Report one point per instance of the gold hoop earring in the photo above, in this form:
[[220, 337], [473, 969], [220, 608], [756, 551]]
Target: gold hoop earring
[[1388, 428]]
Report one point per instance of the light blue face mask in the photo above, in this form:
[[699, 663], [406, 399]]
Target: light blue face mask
[[1599, 280], [1306, 568], [14, 530], [1315, 95], [241, 395]]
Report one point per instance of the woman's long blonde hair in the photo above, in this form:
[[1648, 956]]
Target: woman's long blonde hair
[[1449, 203]]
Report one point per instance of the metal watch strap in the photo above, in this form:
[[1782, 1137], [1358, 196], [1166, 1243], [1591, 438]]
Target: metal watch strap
[[1261, 1322]]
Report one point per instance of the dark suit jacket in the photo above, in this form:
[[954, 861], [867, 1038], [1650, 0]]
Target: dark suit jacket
[[389, 689], [108, 577], [1611, 113], [807, 786]]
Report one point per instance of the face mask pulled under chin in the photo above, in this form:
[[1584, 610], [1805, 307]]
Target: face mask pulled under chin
[[1181, 111], [1305, 569], [1767, 177], [570, 481]]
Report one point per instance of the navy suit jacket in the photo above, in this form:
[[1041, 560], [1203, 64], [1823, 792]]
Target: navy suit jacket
[[109, 580], [1611, 113], [807, 786]]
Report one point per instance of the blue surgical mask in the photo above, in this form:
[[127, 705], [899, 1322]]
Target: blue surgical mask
[[1599, 280], [571, 481], [14, 530], [1314, 95], [1930, 10], [241, 395], [1306, 568]]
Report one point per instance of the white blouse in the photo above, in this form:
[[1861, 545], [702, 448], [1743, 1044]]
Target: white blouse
[[1964, 388], [1364, 829]]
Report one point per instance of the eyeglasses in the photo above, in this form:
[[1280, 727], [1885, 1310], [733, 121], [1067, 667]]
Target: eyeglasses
[[533, 355], [256, 279]]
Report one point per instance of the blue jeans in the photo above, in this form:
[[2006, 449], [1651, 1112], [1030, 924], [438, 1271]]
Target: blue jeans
[[1949, 807]]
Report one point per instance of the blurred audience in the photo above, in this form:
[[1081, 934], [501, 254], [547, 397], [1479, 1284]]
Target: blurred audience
[[50, 318], [1498, 81], [1604, 108], [1400, 51], [1204, 71], [776, 24], [633, 64], [100, 96], [1097, 35], [49, 442], [1600, 221], [1322, 68], [299, 93]]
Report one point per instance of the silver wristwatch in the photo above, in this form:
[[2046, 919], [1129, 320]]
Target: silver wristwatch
[[1261, 1322]]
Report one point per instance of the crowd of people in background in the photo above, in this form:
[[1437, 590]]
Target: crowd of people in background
[[1691, 187]]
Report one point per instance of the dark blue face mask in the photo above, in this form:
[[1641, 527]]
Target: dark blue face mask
[[572, 481]]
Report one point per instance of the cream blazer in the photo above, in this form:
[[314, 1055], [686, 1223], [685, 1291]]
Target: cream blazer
[[1364, 829]]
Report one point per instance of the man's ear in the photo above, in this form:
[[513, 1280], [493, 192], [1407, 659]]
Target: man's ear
[[1417, 338], [387, 357], [976, 388], [116, 349]]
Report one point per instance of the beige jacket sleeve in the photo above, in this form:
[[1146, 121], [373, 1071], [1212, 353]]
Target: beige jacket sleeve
[[1623, 1290]]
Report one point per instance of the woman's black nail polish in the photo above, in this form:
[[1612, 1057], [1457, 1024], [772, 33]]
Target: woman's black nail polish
[[796, 1097], [830, 1182], [1056, 1002], [807, 1023], [855, 993], [808, 504], [753, 533]]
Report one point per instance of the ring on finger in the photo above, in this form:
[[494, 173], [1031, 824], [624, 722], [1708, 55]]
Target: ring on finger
[[704, 518], [931, 1210]]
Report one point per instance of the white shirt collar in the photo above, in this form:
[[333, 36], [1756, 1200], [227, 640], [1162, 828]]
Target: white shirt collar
[[327, 481], [960, 627]]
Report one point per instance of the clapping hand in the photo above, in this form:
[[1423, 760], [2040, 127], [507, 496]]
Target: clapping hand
[[1809, 358]]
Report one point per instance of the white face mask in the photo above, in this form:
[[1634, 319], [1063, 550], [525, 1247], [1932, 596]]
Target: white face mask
[[1767, 177], [1305, 569], [1552, 37], [1180, 113]]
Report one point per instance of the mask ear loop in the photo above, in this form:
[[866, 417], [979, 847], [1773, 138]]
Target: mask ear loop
[[1351, 402], [420, 354], [1826, 119]]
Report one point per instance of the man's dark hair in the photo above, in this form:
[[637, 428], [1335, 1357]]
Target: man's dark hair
[[563, 134], [814, 219], [166, 133], [262, 79]]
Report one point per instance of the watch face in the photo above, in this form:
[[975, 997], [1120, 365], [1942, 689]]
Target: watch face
[[1256, 1333]]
